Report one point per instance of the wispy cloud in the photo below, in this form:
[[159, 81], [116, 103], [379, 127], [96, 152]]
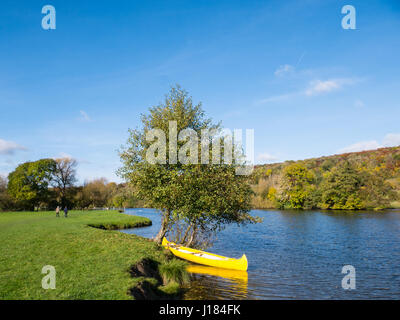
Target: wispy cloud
[[84, 116], [276, 98], [324, 86], [283, 70], [390, 140], [266, 157], [63, 155], [300, 59], [361, 146], [314, 87], [10, 147]]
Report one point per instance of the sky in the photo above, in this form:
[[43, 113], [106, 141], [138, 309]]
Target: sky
[[286, 69]]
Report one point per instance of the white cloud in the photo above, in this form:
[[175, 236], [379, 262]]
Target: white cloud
[[319, 86], [84, 116], [63, 155], [9, 147], [315, 87], [390, 140], [283, 70], [361, 146], [266, 157]]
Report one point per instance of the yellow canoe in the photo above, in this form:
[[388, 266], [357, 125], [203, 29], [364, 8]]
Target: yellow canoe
[[206, 258]]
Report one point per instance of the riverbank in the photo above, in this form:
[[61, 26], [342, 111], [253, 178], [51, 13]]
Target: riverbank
[[90, 262]]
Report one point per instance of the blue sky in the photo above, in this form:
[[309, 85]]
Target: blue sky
[[286, 69]]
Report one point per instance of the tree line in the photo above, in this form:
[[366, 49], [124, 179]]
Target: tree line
[[47, 183], [353, 181]]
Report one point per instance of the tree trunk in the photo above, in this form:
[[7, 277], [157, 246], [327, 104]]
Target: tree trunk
[[164, 226], [186, 233], [192, 237]]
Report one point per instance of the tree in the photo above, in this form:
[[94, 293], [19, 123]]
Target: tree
[[28, 183], [203, 197], [124, 197], [297, 188], [97, 193], [340, 188], [79, 199], [64, 178], [376, 192]]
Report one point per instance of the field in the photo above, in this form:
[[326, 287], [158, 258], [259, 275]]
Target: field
[[90, 263]]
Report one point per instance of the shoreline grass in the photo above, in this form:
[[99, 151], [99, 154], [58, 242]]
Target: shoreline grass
[[90, 263]]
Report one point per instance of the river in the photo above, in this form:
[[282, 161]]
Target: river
[[300, 255]]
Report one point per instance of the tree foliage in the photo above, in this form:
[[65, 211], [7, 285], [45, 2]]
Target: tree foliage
[[340, 188], [201, 197], [29, 183], [353, 181], [297, 180]]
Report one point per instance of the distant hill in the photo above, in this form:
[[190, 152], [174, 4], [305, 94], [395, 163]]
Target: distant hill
[[356, 180]]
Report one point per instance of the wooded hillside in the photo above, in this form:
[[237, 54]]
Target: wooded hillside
[[359, 180]]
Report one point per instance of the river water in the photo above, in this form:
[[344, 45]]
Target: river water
[[300, 255]]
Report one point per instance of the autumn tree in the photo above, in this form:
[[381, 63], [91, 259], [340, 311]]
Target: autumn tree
[[376, 192], [97, 193], [123, 196], [297, 186]]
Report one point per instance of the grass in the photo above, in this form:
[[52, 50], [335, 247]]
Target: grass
[[174, 271], [90, 263]]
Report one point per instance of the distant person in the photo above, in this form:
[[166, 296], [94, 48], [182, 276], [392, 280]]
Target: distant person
[[58, 211], [65, 212]]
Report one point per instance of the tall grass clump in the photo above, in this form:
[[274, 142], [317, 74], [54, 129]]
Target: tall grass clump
[[174, 271]]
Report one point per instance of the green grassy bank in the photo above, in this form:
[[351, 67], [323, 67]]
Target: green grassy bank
[[90, 263]]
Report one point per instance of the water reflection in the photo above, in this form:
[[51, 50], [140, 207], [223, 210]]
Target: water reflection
[[219, 272], [210, 282]]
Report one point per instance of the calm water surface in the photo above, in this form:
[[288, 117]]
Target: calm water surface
[[300, 255]]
